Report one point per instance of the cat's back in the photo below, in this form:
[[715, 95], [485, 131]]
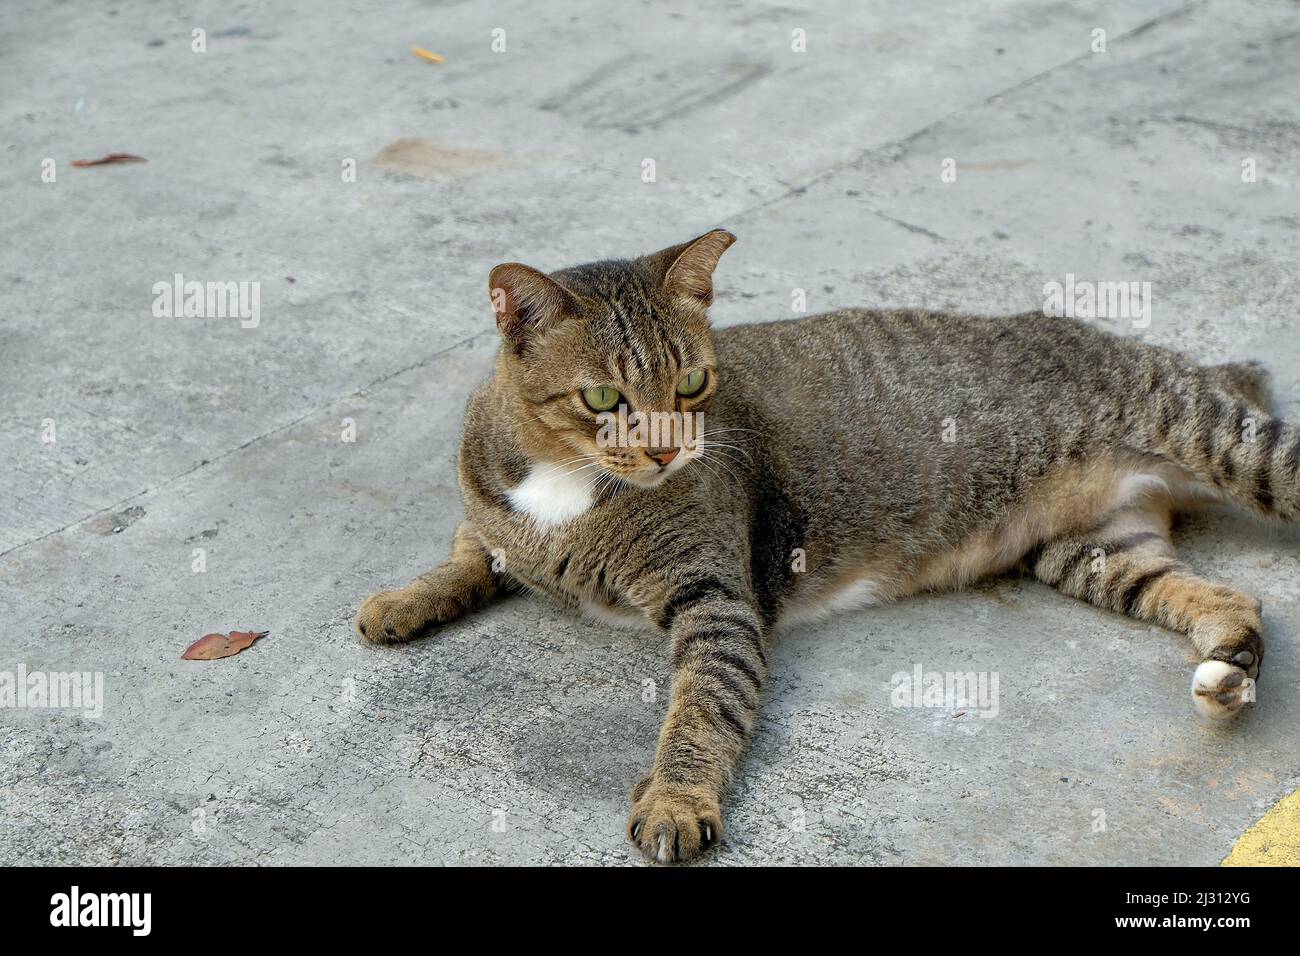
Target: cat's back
[[912, 336], [910, 358]]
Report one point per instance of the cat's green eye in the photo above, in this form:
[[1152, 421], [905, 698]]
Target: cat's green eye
[[601, 398], [691, 383]]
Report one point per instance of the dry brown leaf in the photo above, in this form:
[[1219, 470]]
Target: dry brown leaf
[[211, 647], [109, 160]]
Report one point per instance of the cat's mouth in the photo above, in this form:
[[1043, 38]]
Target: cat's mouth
[[656, 470]]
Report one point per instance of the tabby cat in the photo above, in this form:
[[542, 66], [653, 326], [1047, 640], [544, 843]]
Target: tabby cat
[[847, 459]]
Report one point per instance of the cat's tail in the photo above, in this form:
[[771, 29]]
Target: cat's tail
[[1217, 425]]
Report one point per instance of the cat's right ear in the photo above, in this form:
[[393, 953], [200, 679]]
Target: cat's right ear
[[526, 302]]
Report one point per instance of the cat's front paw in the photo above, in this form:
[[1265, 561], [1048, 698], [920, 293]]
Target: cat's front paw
[[392, 617], [672, 823]]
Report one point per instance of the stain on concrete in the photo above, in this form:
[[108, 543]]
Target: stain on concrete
[[115, 523], [420, 157]]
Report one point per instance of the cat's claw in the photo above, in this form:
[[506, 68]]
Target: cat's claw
[[1220, 689], [673, 824]]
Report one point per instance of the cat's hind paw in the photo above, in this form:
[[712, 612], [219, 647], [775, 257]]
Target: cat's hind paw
[[1220, 689]]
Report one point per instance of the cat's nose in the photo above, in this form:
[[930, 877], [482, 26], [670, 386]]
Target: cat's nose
[[663, 455]]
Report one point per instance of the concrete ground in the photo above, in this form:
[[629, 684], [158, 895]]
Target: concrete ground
[[515, 735]]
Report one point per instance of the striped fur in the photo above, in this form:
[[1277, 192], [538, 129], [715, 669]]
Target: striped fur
[[850, 457]]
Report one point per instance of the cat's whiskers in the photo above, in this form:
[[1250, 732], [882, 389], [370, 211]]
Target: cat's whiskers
[[711, 466], [604, 479], [574, 471], [708, 438], [580, 457], [718, 460], [727, 448], [571, 461], [736, 456]]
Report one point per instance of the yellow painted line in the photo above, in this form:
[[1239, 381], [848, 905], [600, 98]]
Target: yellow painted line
[[1274, 840]]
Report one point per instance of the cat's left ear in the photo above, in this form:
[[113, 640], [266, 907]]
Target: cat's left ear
[[686, 271]]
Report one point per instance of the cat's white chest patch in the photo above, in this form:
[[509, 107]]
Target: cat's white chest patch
[[552, 495]]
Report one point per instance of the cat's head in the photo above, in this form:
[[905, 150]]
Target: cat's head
[[609, 367]]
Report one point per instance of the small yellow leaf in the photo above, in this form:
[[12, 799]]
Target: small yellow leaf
[[424, 54]]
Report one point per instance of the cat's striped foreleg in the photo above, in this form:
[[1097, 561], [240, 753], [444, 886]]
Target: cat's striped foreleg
[[719, 670], [462, 583]]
